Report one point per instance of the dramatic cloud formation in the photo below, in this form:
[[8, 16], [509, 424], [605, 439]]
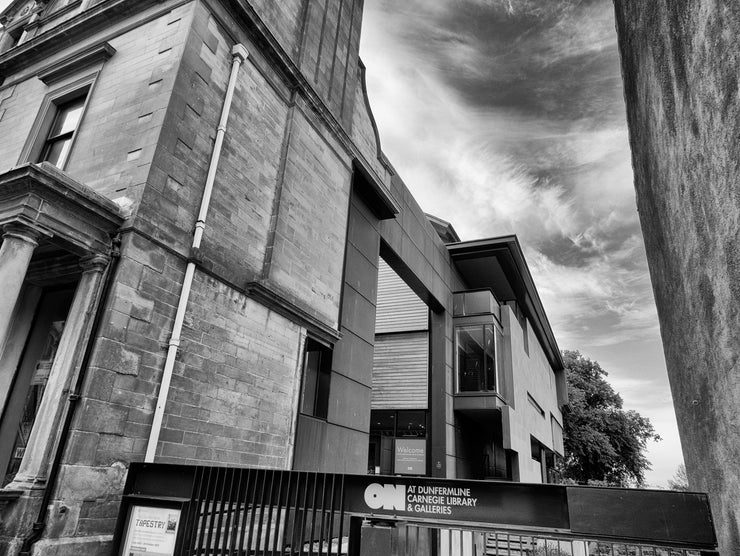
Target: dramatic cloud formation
[[507, 116]]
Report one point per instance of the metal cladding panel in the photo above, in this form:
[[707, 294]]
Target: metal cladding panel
[[398, 308], [401, 371], [655, 516]]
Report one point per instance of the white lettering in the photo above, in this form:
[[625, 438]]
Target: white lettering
[[388, 497]]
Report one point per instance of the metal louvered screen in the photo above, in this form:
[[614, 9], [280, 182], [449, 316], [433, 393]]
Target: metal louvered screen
[[401, 371], [262, 511], [398, 309]]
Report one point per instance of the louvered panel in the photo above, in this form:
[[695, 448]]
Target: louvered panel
[[401, 371], [398, 308]]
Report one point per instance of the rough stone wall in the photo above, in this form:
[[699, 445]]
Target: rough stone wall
[[680, 63], [233, 396], [237, 223]]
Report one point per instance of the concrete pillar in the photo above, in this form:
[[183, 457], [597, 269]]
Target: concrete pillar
[[19, 241], [44, 435]]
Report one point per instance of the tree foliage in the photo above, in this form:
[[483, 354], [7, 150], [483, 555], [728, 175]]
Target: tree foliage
[[680, 480], [604, 443]]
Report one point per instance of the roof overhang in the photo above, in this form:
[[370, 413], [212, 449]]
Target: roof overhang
[[499, 264]]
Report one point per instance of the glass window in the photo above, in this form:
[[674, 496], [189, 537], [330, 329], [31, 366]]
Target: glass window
[[316, 379], [59, 140], [383, 422], [411, 424], [476, 363], [397, 442]]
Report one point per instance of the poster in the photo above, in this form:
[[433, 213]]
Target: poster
[[410, 456], [151, 531]]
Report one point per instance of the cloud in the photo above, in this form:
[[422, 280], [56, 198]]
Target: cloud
[[507, 116], [533, 164]]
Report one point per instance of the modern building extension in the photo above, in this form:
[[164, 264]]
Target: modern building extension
[[507, 387], [194, 205]]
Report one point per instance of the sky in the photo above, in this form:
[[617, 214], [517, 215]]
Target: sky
[[507, 116]]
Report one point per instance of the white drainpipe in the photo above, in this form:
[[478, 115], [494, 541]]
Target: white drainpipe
[[239, 53]]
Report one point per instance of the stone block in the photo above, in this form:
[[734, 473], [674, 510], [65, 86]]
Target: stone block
[[115, 356], [77, 482]]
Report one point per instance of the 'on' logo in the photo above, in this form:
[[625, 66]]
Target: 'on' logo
[[388, 497]]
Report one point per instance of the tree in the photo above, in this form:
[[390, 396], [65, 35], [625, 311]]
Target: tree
[[603, 442], [680, 480]]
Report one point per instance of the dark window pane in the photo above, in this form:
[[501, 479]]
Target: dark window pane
[[490, 360], [57, 151], [310, 380], [411, 423], [322, 388], [316, 379], [470, 344], [383, 423]]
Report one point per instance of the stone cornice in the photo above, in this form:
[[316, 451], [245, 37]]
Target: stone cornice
[[80, 59], [81, 26], [43, 196]]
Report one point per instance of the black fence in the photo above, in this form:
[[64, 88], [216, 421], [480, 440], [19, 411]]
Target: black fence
[[194, 510]]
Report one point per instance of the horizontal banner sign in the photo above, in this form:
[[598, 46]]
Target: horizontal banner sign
[[483, 502]]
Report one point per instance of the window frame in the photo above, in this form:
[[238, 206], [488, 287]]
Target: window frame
[[37, 140], [497, 338], [321, 389]]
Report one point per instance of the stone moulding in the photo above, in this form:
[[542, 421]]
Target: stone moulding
[[76, 61], [74, 215]]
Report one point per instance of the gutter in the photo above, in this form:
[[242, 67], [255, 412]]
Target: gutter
[[239, 54]]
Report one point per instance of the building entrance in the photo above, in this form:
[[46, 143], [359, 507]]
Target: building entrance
[[398, 442]]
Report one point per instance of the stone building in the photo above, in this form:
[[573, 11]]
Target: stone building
[[680, 63], [194, 204]]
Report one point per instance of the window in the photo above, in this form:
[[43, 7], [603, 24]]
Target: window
[[398, 442], [55, 130], [476, 357], [316, 379], [59, 139]]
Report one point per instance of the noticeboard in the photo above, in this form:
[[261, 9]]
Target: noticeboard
[[151, 531], [410, 456]]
